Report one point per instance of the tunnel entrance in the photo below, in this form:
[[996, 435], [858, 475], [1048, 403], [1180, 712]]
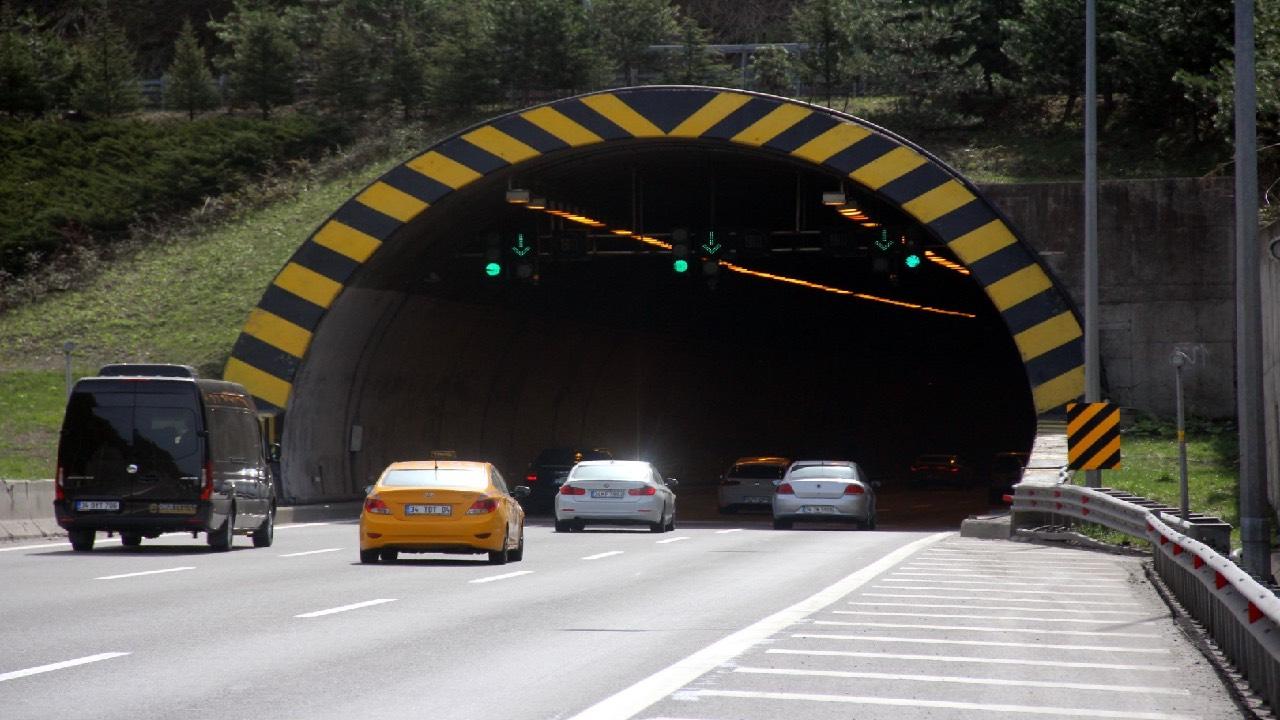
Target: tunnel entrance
[[799, 328]]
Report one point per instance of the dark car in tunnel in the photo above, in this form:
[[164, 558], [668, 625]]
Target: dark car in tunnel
[[549, 469], [941, 469]]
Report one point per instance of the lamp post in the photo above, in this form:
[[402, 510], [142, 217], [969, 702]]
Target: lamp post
[[1178, 360]]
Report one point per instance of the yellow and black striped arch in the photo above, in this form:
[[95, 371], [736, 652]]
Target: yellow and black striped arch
[[277, 334]]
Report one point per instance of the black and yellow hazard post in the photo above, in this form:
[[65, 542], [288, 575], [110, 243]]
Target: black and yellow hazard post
[[1093, 436]]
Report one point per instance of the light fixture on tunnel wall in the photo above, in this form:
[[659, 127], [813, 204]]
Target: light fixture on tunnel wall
[[537, 203], [833, 197], [518, 196]]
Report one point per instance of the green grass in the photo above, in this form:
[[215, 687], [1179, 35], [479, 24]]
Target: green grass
[[31, 404]]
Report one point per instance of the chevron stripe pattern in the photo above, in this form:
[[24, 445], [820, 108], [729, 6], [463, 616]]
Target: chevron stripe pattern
[[277, 334], [1093, 436]]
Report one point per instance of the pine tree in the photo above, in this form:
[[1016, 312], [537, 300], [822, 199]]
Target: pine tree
[[108, 78], [263, 62], [189, 84], [826, 26], [694, 63], [344, 82], [20, 92], [629, 27], [773, 68], [406, 82]]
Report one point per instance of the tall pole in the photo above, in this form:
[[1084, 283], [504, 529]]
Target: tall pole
[[1254, 533], [1092, 357], [1178, 360]]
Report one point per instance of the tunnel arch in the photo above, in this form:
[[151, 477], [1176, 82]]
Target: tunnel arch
[[280, 334]]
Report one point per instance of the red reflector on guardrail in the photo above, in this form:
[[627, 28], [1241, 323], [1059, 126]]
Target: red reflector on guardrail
[[1254, 613], [1197, 563], [1177, 549], [1219, 580]]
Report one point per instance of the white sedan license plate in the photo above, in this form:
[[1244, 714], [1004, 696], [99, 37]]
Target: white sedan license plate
[[758, 500], [428, 509], [109, 505], [606, 493], [817, 509]]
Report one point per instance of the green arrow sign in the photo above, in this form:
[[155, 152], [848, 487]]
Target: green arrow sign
[[711, 247], [520, 248], [884, 243]]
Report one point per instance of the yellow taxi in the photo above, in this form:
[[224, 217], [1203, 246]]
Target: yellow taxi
[[442, 506]]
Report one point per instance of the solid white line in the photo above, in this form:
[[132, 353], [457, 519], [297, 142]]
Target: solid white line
[[722, 532], [1144, 689], [947, 704], [60, 665], [915, 578], [632, 700], [982, 643], [597, 556], [1002, 590], [972, 628], [674, 539], [991, 607], [344, 608], [312, 552], [504, 576], [1090, 621], [148, 572], [974, 660], [1003, 599], [35, 547]]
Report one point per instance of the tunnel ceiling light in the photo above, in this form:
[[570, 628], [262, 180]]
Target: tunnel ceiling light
[[833, 197], [537, 203], [517, 196], [937, 259]]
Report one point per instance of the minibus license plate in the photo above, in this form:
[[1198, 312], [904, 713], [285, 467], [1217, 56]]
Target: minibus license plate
[[109, 505], [428, 509]]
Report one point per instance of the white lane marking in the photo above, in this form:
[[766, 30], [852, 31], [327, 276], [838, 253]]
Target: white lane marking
[[35, 547], [674, 539], [1003, 599], [981, 643], [597, 556], [60, 665], [1020, 565], [973, 660], [979, 628], [1002, 590], [292, 526], [722, 532], [946, 704], [504, 576], [1090, 621], [998, 574], [147, 572], [344, 608], [915, 578], [991, 607], [312, 552], [1144, 689], [629, 701]]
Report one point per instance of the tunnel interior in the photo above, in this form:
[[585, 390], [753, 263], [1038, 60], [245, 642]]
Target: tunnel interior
[[604, 344]]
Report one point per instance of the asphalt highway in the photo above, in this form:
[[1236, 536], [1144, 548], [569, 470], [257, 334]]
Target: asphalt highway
[[715, 621]]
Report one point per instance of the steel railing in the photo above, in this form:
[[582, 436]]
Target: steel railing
[[1240, 614]]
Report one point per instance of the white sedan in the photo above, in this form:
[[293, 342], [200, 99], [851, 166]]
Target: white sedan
[[825, 490], [616, 492]]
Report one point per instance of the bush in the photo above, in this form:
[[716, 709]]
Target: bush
[[67, 185]]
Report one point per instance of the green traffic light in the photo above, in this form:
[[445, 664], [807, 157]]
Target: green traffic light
[[492, 269], [680, 265], [912, 260]]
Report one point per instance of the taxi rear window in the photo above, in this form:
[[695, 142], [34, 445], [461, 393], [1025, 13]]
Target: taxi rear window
[[443, 478]]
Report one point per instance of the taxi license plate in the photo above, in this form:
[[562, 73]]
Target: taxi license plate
[[606, 493], [89, 505], [817, 509], [428, 509]]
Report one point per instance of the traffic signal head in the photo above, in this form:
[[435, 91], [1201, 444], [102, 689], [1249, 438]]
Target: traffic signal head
[[680, 250], [492, 269], [912, 260], [680, 265], [492, 255]]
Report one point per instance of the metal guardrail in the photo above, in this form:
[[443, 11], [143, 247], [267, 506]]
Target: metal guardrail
[[1240, 614]]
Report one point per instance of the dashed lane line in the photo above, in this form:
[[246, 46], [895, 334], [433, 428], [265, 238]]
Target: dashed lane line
[[1065, 664], [673, 540], [1142, 689], [4, 677], [979, 643], [345, 608], [146, 572], [730, 530], [311, 552], [504, 576], [597, 556]]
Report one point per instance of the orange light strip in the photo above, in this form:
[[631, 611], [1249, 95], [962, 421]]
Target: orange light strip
[[939, 260]]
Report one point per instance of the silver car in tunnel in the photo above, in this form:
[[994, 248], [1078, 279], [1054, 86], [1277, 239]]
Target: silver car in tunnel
[[824, 490]]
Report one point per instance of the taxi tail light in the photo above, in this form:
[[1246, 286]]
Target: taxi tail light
[[572, 490], [376, 505], [853, 489], [786, 489], [206, 489], [643, 491], [483, 506]]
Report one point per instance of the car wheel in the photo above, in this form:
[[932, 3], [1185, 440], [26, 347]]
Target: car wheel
[[81, 539], [390, 556], [779, 524], [368, 557], [657, 526], [671, 523], [222, 538], [579, 525], [563, 526], [500, 557], [266, 532], [130, 539], [518, 554], [871, 523]]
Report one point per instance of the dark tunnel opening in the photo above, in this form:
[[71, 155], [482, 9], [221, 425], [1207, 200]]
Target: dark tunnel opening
[[605, 345]]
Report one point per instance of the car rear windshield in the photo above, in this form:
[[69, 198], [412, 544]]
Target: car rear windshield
[[757, 471], [569, 456], [814, 472], [443, 478], [154, 426], [611, 472]]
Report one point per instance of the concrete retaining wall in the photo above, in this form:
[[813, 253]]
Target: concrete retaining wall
[[1271, 363]]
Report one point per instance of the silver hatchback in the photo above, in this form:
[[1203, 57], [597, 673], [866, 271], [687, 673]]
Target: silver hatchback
[[824, 490]]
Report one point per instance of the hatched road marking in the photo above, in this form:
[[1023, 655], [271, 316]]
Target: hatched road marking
[[1143, 689], [975, 660], [974, 628], [981, 643]]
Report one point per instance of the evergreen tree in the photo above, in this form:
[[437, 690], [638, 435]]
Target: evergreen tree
[[827, 27], [20, 92], [189, 84], [406, 80], [926, 53], [627, 29], [542, 45], [108, 79], [263, 62], [344, 80], [462, 58], [773, 70], [694, 63]]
